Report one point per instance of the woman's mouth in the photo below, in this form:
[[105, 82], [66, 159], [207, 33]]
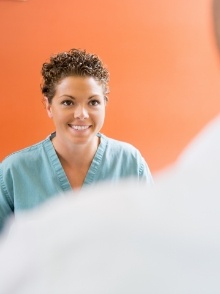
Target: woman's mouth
[[79, 128]]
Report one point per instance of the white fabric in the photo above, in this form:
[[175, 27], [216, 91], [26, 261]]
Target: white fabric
[[125, 239], [204, 149]]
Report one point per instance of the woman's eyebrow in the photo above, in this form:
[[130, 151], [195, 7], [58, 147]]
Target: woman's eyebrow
[[93, 96], [66, 95]]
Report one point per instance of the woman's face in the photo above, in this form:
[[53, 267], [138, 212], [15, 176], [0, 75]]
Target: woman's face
[[77, 109]]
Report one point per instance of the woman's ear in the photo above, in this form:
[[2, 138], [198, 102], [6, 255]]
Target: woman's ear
[[48, 107], [106, 99]]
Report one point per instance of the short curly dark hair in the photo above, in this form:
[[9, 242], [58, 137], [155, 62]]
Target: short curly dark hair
[[74, 62]]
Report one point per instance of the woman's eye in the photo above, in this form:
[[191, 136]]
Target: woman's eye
[[94, 102], [67, 102]]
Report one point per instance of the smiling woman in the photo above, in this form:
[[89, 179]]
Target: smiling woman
[[76, 154], [78, 112]]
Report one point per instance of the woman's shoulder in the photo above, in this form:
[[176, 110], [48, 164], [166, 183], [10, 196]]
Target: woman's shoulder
[[118, 145], [26, 154]]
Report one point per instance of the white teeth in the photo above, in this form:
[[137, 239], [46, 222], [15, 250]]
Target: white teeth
[[80, 128]]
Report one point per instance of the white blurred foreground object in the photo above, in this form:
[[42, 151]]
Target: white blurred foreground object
[[125, 238]]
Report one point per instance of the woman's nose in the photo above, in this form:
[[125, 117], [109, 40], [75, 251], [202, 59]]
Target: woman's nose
[[81, 112]]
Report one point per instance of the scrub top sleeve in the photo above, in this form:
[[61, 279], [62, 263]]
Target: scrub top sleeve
[[6, 207], [144, 173]]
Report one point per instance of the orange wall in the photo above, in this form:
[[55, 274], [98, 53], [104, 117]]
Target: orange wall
[[165, 80]]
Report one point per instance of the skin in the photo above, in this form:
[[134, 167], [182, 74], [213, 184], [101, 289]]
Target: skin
[[78, 113]]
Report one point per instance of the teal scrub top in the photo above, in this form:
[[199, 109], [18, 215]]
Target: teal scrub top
[[33, 175]]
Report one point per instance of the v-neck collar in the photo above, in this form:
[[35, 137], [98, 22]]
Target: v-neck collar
[[59, 171]]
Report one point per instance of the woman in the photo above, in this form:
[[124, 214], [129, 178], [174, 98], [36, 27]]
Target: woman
[[75, 88]]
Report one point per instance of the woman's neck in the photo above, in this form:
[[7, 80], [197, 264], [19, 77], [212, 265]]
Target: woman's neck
[[76, 154]]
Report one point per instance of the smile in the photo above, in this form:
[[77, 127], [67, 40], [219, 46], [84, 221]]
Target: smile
[[79, 128]]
